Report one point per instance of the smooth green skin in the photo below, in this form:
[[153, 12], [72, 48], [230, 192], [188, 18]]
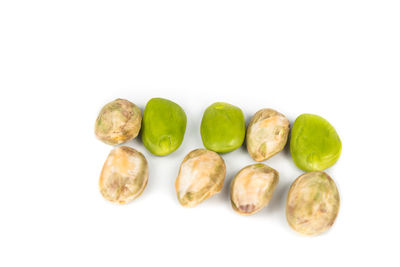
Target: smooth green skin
[[163, 126], [314, 143], [222, 127]]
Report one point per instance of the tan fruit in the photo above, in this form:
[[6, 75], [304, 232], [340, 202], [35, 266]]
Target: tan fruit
[[252, 188], [118, 121], [201, 175], [267, 134], [313, 203], [124, 175]]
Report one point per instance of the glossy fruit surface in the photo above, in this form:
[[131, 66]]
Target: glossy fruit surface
[[222, 127], [314, 143], [163, 126]]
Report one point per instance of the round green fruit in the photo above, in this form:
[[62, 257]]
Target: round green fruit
[[222, 127], [163, 126], [314, 143]]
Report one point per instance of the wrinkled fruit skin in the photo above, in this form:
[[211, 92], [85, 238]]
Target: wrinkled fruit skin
[[163, 127], [252, 188], [118, 121], [267, 134], [222, 127], [201, 175], [124, 175], [314, 143], [313, 203]]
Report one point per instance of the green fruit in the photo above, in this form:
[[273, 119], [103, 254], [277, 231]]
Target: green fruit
[[222, 127], [163, 127], [314, 143]]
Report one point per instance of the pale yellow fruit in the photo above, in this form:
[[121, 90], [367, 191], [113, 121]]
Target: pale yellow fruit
[[201, 175], [252, 188], [266, 134], [313, 203], [124, 175]]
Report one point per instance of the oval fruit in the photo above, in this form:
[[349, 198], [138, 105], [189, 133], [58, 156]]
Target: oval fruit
[[163, 127], [222, 127], [118, 121], [201, 175], [252, 188], [267, 134], [124, 175], [314, 143], [313, 203]]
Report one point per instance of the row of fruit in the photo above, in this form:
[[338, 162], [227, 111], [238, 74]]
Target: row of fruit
[[313, 199]]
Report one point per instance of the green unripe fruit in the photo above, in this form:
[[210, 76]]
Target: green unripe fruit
[[163, 127], [222, 127], [314, 143]]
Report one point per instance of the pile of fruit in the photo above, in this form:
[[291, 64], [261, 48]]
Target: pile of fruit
[[313, 199]]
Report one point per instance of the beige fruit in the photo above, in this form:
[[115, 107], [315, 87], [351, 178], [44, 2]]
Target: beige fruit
[[118, 121], [267, 134], [201, 175], [313, 203], [124, 175], [252, 188]]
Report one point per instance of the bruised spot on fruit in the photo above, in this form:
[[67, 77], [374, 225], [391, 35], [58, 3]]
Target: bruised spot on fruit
[[248, 208], [252, 188]]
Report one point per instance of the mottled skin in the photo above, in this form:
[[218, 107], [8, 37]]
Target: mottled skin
[[314, 143], [201, 175], [163, 126], [222, 127], [124, 175], [267, 134], [252, 188], [313, 203], [118, 121]]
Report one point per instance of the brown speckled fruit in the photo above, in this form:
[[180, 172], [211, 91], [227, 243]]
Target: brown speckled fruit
[[124, 175], [252, 188], [118, 121], [313, 203], [267, 134], [201, 175]]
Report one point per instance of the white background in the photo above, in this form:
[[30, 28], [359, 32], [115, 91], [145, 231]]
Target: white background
[[61, 61]]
